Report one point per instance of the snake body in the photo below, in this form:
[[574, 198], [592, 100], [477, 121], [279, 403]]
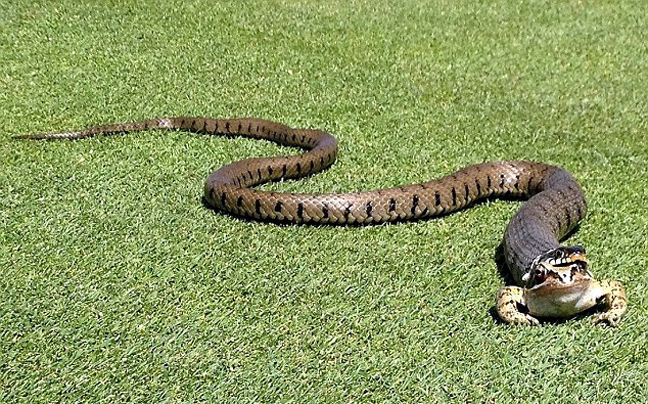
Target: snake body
[[555, 202]]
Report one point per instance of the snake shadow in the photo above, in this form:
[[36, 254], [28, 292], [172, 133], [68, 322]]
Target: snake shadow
[[498, 255]]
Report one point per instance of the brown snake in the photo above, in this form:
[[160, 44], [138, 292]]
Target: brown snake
[[553, 280]]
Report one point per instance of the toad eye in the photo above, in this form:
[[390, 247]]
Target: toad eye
[[539, 276]]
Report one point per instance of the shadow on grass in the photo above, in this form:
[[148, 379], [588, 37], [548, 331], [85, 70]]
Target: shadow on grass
[[498, 255]]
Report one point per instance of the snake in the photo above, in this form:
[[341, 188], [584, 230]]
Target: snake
[[550, 280]]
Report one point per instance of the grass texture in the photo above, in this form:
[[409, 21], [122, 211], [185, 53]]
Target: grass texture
[[118, 285]]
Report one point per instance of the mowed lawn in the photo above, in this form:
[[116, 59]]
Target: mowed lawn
[[118, 284]]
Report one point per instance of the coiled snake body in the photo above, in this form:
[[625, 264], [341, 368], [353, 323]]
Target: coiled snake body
[[553, 280]]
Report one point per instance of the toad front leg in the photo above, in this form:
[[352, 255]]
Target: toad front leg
[[509, 301], [615, 301]]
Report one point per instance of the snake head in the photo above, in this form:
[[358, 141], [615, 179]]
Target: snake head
[[561, 266]]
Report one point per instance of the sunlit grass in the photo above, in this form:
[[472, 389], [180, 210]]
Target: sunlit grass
[[119, 285]]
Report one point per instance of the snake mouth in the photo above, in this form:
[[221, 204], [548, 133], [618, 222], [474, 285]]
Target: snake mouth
[[560, 267]]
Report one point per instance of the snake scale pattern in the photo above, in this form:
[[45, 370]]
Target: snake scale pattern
[[551, 280]]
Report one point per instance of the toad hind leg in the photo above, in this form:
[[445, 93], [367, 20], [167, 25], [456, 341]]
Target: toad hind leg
[[509, 300], [615, 302]]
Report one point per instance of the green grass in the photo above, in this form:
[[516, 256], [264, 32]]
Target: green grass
[[118, 285]]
